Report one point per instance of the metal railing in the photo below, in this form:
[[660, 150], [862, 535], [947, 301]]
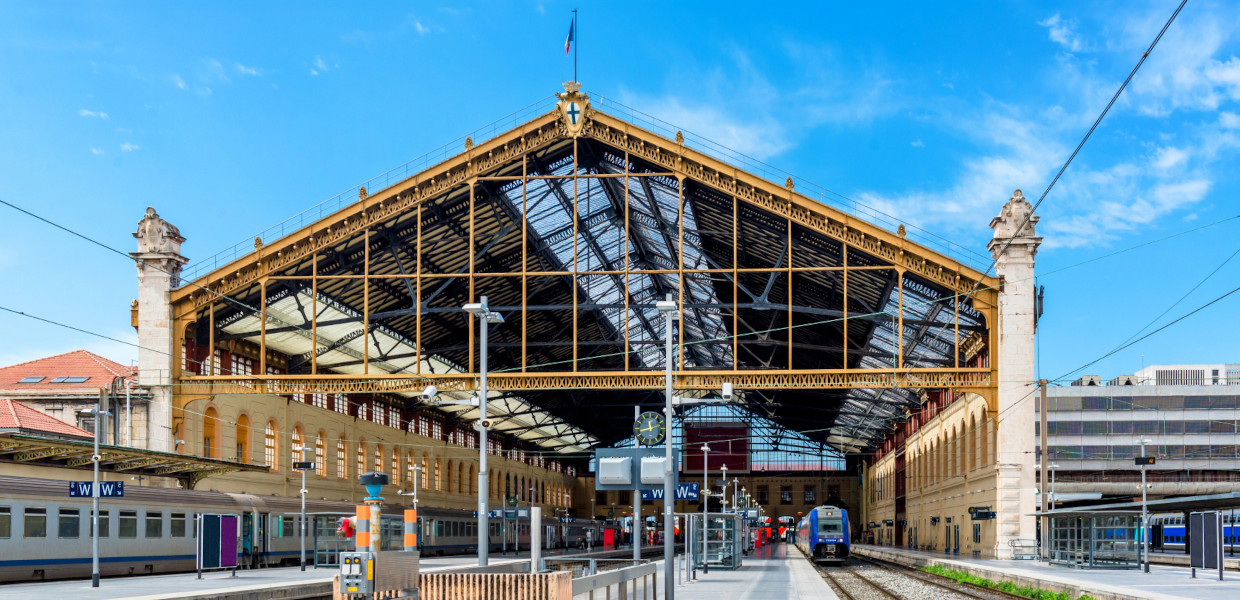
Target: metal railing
[[640, 581]]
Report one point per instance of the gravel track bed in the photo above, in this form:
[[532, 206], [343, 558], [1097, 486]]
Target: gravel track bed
[[925, 584]]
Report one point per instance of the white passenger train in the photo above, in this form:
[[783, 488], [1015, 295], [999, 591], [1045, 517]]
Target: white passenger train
[[45, 534]]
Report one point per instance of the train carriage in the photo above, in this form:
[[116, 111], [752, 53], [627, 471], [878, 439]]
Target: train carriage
[[823, 534], [45, 534]]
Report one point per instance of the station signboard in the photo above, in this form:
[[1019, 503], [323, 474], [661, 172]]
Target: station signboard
[[107, 489]]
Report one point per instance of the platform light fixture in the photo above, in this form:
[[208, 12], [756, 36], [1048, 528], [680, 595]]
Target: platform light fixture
[[670, 312], [487, 317]]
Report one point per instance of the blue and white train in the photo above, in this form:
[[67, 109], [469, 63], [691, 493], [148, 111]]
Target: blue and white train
[[45, 534], [823, 534], [1169, 531]]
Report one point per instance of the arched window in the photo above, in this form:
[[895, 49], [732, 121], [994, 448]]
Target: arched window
[[378, 458], [409, 471], [450, 487], [438, 469], [361, 457], [320, 455], [210, 433], [426, 474], [243, 439], [297, 445], [395, 464], [973, 437], [342, 462], [269, 446]]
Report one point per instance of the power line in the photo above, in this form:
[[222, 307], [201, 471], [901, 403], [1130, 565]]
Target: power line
[[1089, 133]]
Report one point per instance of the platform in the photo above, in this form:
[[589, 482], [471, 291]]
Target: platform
[[1161, 583], [287, 583], [773, 572]]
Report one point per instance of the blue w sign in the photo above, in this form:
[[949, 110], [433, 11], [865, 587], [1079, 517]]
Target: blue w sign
[[684, 491], [107, 489]]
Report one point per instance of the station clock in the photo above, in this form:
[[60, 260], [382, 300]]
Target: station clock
[[650, 428]]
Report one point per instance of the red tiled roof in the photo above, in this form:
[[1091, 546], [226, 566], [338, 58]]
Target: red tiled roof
[[78, 363], [15, 415]]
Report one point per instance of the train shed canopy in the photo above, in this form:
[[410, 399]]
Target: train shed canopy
[[573, 223]]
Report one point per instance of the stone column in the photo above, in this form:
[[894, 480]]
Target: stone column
[[1016, 476], [159, 263]]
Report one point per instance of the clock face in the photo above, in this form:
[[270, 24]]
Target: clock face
[[649, 428]]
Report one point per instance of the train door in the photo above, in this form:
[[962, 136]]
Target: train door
[[247, 539], [263, 545]]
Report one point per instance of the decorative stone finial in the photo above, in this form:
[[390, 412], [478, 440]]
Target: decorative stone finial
[[361, 193], [788, 184], [1016, 222], [469, 143], [900, 231], [258, 243], [680, 138], [572, 87], [156, 235]]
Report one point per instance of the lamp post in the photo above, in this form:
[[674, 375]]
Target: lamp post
[[94, 494], [1144, 514], [723, 496], [304, 450], [705, 503], [669, 310], [486, 316]]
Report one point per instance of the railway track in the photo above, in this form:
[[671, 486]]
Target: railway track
[[864, 579]]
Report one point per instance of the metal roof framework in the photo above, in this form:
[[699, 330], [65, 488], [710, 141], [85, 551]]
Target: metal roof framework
[[573, 231]]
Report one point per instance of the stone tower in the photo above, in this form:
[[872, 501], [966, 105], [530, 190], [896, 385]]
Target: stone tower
[[1013, 247], [159, 263]]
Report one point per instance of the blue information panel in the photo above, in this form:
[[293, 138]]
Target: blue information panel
[[684, 491], [107, 489]]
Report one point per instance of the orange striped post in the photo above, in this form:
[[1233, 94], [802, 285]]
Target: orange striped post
[[362, 538], [411, 529]]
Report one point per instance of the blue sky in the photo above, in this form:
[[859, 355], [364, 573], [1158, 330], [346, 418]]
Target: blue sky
[[228, 117]]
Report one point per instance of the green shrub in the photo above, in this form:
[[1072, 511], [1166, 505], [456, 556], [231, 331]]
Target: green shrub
[[1004, 586]]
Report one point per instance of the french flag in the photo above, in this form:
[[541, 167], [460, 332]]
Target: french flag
[[568, 43]]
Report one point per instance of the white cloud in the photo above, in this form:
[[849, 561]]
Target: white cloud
[[1060, 32], [320, 66], [180, 83], [917, 144], [129, 147], [1167, 158], [1229, 120], [95, 151], [244, 70], [91, 113], [420, 28]]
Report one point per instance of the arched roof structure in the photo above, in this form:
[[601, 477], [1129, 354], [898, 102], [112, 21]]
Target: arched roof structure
[[573, 224]]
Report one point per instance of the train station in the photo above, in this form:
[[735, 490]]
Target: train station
[[582, 351]]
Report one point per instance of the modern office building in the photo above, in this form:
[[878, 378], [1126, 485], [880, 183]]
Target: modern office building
[[1188, 416]]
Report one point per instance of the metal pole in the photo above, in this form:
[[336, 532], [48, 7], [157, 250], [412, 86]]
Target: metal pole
[[669, 490], [94, 501], [303, 509], [637, 512], [705, 501], [1045, 462], [484, 543], [128, 416], [1144, 515], [535, 538]]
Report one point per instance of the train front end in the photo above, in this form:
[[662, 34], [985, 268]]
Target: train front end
[[830, 539]]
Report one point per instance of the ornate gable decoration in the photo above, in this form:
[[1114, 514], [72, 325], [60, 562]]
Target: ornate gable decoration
[[574, 108]]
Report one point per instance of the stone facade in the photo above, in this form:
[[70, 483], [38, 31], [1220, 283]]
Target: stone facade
[[159, 264]]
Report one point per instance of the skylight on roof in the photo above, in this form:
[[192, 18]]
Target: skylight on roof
[[75, 379], [31, 379]]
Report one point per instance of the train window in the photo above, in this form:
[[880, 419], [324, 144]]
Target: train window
[[69, 523], [154, 524], [127, 525], [439, 528], [6, 522], [35, 525], [105, 528], [176, 527], [289, 527]]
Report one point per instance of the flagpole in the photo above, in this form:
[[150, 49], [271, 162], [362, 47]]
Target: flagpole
[[576, 37]]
